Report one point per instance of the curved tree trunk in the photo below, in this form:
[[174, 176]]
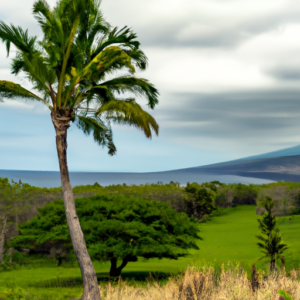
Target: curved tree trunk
[[61, 121], [114, 270]]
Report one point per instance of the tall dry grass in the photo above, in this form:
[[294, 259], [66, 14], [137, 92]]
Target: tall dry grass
[[207, 284]]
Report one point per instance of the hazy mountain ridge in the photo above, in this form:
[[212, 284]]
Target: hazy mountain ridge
[[286, 168], [283, 152]]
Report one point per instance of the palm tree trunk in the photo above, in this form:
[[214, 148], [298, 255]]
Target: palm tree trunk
[[61, 124]]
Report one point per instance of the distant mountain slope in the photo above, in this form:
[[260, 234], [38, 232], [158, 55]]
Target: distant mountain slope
[[286, 168], [283, 152]]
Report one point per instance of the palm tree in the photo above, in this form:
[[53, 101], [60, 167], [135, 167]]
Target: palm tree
[[270, 238], [74, 72]]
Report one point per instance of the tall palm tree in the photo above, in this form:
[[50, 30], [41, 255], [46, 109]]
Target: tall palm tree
[[74, 72]]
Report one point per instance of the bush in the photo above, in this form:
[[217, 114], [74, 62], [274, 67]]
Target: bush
[[294, 210], [200, 200], [244, 194]]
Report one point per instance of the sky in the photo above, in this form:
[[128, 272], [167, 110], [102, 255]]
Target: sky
[[228, 72]]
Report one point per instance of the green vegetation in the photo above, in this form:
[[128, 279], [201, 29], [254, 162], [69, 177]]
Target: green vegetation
[[115, 228], [270, 240], [285, 295], [29, 279], [232, 237], [228, 237], [286, 197], [244, 194], [15, 199], [199, 199]]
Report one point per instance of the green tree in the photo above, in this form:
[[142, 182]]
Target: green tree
[[14, 197], [270, 239], [116, 228], [200, 199], [74, 71], [244, 194]]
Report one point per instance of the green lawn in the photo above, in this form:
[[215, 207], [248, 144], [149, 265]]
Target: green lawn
[[230, 237]]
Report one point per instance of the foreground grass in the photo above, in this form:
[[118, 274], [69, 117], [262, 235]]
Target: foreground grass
[[207, 284], [229, 282], [29, 279], [227, 238]]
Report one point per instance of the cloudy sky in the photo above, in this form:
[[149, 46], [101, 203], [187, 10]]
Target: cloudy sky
[[228, 72]]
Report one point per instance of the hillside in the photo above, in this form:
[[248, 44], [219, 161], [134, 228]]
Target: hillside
[[282, 152], [284, 168], [281, 165]]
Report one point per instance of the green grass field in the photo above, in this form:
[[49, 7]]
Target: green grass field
[[227, 238]]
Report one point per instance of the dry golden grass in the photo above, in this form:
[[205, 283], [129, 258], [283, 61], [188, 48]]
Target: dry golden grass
[[206, 284]]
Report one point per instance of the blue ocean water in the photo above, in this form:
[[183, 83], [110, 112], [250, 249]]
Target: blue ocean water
[[52, 179]]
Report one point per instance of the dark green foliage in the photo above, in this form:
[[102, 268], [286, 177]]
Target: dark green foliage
[[12, 90], [294, 210], [170, 193], [244, 194], [14, 200], [200, 199], [270, 239], [115, 228]]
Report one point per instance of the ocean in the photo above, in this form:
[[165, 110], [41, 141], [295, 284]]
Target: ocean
[[52, 179]]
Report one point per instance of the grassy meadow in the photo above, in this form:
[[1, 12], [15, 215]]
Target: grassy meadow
[[228, 239]]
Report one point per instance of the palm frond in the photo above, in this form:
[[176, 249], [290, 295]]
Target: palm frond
[[11, 90], [17, 36], [123, 36], [112, 57], [41, 11], [101, 133], [138, 86], [138, 57], [128, 112]]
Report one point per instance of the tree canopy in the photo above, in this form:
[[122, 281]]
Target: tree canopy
[[115, 228], [244, 194], [200, 198]]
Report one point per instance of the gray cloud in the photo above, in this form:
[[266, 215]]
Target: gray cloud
[[193, 28], [233, 115], [202, 30], [285, 73]]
